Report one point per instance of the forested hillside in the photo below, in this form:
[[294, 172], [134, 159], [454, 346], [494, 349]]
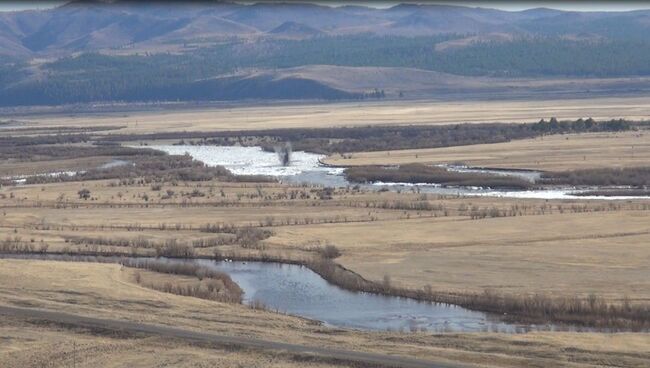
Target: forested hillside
[[91, 51]]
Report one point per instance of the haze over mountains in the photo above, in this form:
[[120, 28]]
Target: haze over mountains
[[234, 50], [97, 25]]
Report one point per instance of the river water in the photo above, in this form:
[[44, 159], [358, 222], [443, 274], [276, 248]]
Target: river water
[[299, 291], [306, 168]]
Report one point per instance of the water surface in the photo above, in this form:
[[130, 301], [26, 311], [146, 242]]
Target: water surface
[[250, 160], [306, 168], [299, 291]]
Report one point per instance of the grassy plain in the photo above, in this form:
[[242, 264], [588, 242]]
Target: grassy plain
[[347, 114], [604, 253], [549, 153], [567, 247], [8, 169], [453, 244], [108, 291], [28, 345]]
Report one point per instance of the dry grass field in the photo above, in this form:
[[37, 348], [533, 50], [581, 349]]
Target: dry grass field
[[459, 245], [108, 291], [605, 253], [349, 114], [550, 153], [25, 345], [567, 247], [8, 169]]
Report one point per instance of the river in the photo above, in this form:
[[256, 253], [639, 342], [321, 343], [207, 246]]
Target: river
[[306, 168], [297, 290]]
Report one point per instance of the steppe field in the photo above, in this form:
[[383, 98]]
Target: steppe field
[[552, 153], [340, 114], [273, 183], [109, 291], [518, 248]]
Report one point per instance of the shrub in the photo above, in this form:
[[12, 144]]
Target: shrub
[[380, 138], [215, 286], [632, 176], [84, 194], [173, 249], [251, 237], [419, 173], [329, 251]]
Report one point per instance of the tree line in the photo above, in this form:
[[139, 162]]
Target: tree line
[[190, 76]]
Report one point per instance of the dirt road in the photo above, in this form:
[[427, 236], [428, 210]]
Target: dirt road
[[371, 359]]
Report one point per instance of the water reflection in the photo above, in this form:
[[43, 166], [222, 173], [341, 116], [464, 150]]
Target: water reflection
[[299, 291]]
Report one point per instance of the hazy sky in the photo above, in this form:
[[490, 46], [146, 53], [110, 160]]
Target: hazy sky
[[521, 5], [504, 5], [24, 5]]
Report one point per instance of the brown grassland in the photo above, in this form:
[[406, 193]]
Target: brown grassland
[[553, 153], [568, 247], [109, 291], [348, 114], [447, 244]]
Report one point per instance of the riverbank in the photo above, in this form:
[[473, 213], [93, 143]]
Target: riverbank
[[538, 309], [106, 291], [418, 173], [307, 169]]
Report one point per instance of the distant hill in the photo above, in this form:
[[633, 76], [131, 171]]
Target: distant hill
[[295, 30], [126, 25], [314, 82], [129, 51], [417, 83]]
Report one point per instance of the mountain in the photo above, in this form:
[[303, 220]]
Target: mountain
[[126, 25], [417, 83], [267, 16], [295, 30], [130, 51]]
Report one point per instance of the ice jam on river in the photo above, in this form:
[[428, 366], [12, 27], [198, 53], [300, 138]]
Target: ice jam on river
[[306, 167], [251, 160]]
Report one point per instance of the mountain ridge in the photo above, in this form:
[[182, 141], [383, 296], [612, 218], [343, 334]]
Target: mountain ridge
[[81, 26]]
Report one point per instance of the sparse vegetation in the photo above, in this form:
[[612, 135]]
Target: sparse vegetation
[[251, 237], [615, 193], [172, 248], [380, 138], [418, 173], [212, 284], [231, 239], [153, 168], [633, 176], [329, 251], [84, 194], [96, 224], [34, 150], [537, 308]]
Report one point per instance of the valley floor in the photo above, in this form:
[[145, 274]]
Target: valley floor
[[565, 247], [588, 249], [343, 114], [547, 153], [108, 291]]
